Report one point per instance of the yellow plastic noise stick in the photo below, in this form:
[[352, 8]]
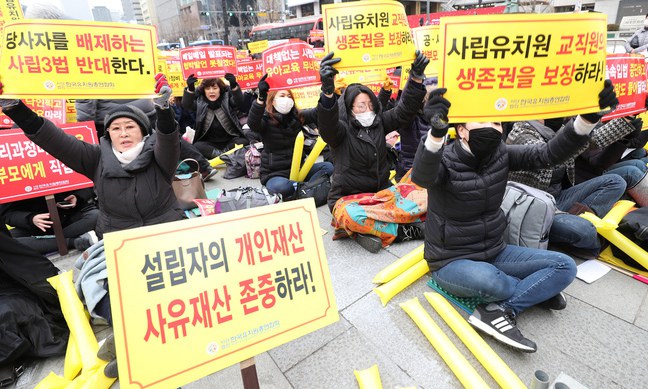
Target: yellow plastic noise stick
[[459, 365], [500, 371], [399, 266], [310, 160], [297, 156], [390, 289], [218, 161], [72, 365], [368, 378]]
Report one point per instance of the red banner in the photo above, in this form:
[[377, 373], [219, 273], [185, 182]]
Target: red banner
[[27, 171], [249, 74], [52, 109], [291, 65], [628, 74], [208, 61], [415, 20]]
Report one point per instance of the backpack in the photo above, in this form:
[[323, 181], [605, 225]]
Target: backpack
[[634, 226], [253, 161], [529, 214]]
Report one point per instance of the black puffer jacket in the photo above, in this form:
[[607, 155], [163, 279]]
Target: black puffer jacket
[[464, 219], [278, 136], [360, 153], [197, 102]]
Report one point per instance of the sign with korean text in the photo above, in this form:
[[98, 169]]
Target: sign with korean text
[[249, 74], [291, 65], [368, 35], [215, 290], [10, 10], [523, 66], [242, 55], [52, 109], [208, 61], [27, 171], [427, 40], [77, 59], [306, 97], [257, 47], [628, 74], [70, 111], [174, 74]]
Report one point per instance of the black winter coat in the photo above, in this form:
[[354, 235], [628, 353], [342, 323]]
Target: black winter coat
[[360, 153], [196, 102], [464, 219]]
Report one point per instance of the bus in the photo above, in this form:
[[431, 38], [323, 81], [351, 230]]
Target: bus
[[206, 43], [309, 29]]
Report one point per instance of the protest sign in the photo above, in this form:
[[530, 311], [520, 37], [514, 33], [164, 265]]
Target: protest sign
[[174, 74], [306, 97], [27, 171], [52, 109], [291, 65], [10, 10], [77, 59], [249, 73], [208, 61], [215, 290], [368, 35], [523, 66], [257, 47], [628, 74], [428, 41], [70, 111]]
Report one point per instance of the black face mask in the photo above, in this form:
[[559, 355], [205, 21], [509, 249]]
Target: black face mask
[[483, 142]]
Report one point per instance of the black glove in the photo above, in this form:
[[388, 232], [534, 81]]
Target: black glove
[[7, 103], [637, 123], [328, 72], [607, 98], [419, 65], [263, 87], [232, 80], [436, 112], [191, 82]]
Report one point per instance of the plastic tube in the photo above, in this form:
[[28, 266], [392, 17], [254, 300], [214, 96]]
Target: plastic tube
[[368, 378], [459, 365], [218, 161], [499, 370], [390, 289], [72, 365], [540, 380], [310, 160], [399, 266], [298, 150]]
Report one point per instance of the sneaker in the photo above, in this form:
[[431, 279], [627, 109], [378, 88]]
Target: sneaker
[[556, 303], [500, 324], [412, 231], [371, 243], [83, 242], [208, 174]]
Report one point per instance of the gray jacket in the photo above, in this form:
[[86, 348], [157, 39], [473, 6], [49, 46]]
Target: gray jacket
[[642, 35]]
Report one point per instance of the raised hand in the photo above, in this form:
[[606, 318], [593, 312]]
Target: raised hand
[[419, 65], [263, 87], [191, 82], [328, 72], [607, 98], [436, 112]]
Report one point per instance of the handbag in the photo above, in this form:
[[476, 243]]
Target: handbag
[[318, 189], [634, 42], [187, 189]]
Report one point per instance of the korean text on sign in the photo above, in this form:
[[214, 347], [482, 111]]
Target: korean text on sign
[[628, 74], [249, 73], [208, 61], [291, 65]]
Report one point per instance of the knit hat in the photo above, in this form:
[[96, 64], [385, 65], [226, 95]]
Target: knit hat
[[131, 112]]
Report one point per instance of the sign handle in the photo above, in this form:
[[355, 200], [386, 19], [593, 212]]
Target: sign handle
[[57, 227], [249, 374]]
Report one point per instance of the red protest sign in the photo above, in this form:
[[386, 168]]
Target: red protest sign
[[208, 61], [28, 171], [291, 65], [52, 109], [628, 74], [249, 74]]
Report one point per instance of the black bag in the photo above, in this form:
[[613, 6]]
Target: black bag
[[634, 42], [235, 163], [634, 226], [318, 189]]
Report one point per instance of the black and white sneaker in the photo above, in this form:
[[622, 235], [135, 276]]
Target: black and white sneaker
[[500, 324], [411, 231]]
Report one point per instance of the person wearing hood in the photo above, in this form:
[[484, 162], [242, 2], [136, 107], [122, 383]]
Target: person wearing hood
[[354, 127], [638, 42], [276, 119], [132, 169]]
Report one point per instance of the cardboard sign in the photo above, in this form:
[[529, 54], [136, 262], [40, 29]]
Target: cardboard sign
[[523, 66], [52, 109], [77, 59], [215, 290], [10, 10], [427, 39], [27, 171], [306, 97], [208, 61], [628, 74], [257, 47], [249, 74], [291, 65]]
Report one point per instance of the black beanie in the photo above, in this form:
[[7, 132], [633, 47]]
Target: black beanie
[[131, 112]]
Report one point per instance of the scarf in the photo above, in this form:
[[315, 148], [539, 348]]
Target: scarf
[[129, 156]]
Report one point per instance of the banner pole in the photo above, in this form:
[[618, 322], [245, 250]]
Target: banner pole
[[56, 227], [249, 374]]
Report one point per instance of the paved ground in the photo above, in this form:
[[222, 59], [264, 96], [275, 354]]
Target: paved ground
[[599, 341]]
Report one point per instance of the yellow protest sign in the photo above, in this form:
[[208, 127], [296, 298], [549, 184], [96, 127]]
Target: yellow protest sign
[[10, 10], [427, 39], [523, 66], [70, 111], [192, 297], [161, 64], [174, 75], [368, 36], [307, 96], [77, 59]]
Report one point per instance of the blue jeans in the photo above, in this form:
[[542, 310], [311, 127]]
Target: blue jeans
[[632, 171], [287, 187], [517, 278]]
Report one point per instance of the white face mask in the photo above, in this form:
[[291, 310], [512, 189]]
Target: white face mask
[[283, 105], [366, 118]]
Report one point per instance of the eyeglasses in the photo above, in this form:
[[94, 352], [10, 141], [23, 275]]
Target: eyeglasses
[[362, 107]]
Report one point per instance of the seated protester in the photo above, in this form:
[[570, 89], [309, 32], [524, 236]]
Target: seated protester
[[464, 232], [33, 225], [355, 131], [594, 162], [570, 232], [274, 116], [216, 106]]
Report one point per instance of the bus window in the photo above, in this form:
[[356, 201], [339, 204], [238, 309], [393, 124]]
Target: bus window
[[168, 46]]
